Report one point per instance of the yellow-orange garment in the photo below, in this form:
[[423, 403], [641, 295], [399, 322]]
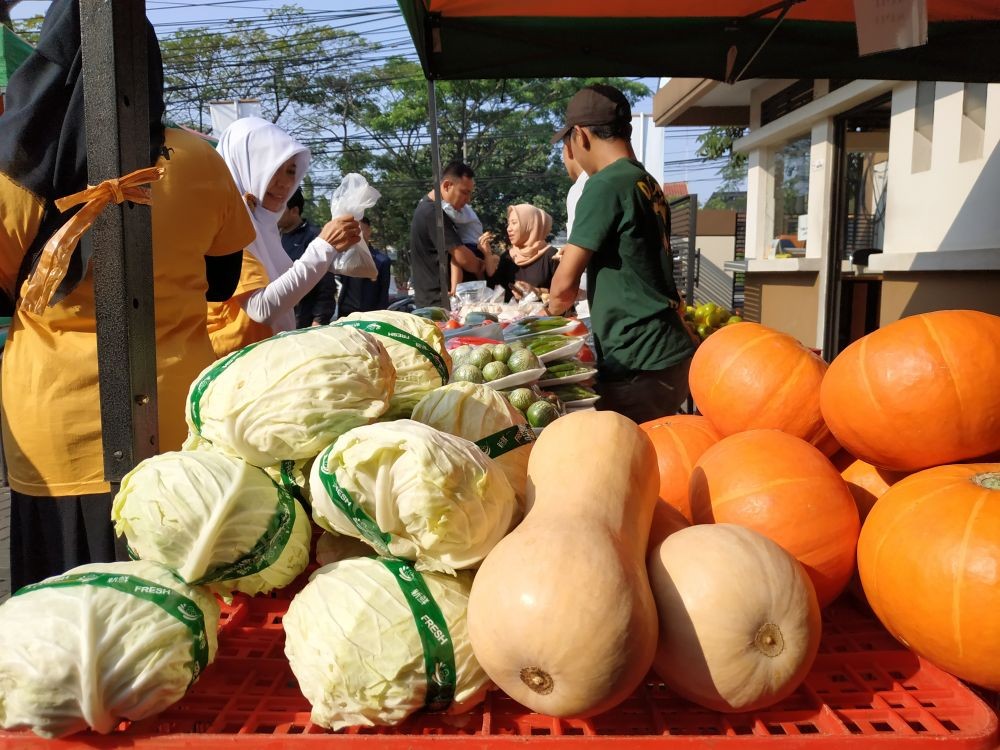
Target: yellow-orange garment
[[229, 326], [52, 425]]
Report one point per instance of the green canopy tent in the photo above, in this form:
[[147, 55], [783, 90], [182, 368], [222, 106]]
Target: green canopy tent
[[13, 51]]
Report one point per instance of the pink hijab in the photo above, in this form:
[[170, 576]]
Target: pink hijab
[[528, 240]]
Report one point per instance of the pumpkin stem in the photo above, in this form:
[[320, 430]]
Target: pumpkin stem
[[769, 640], [989, 480], [538, 680]]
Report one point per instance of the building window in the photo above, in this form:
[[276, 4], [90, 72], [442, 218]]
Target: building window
[[789, 99], [973, 121], [791, 195], [923, 126]]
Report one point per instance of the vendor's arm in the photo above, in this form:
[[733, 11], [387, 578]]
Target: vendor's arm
[[467, 260], [566, 281], [283, 293]]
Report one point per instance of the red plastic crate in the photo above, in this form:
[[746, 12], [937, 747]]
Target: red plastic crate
[[864, 689]]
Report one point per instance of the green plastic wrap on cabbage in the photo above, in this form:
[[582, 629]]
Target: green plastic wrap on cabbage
[[99, 644], [418, 353], [480, 414], [291, 395], [355, 645], [413, 492], [215, 519]]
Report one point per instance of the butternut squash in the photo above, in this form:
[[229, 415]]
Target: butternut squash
[[561, 615], [739, 619]]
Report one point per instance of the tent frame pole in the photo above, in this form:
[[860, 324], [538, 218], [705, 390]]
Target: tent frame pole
[[444, 260], [116, 111]]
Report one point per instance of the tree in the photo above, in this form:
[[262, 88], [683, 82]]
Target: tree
[[6, 6], [501, 128], [27, 28], [291, 66], [717, 143]]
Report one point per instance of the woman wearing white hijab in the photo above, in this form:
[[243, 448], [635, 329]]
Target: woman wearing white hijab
[[267, 165]]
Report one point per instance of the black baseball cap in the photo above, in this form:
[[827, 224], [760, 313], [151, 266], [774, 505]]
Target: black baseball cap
[[598, 104]]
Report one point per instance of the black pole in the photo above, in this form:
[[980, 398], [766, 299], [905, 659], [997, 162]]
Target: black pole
[[116, 105], [838, 231], [444, 264], [692, 248]]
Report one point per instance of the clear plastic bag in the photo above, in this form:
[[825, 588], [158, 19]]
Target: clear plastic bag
[[353, 196]]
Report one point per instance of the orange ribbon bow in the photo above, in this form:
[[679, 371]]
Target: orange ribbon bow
[[53, 262]]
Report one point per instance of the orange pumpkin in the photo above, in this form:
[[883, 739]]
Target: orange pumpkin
[[788, 491], [868, 483], [679, 441], [748, 377], [920, 392], [929, 559]]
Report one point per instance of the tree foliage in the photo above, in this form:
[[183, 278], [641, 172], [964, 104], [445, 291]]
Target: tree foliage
[[293, 67], [500, 128], [26, 28], [717, 143], [359, 110]]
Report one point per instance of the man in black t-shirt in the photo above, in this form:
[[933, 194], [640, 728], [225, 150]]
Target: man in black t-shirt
[[457, 183]]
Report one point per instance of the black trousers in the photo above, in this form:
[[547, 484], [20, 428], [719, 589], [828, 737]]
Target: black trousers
[[645, 396], [50, 535]]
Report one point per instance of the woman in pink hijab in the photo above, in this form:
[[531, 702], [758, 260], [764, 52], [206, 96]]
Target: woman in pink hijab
[[531, 259]]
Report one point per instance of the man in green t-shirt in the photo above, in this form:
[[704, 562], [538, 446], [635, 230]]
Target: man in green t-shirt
[[621, 237]]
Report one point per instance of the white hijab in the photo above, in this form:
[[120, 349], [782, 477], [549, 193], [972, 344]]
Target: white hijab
[[254, 150]]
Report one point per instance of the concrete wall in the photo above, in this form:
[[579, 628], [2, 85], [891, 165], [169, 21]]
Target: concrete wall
[[911, 293], [715, 284], [786, 302], [952, 205]]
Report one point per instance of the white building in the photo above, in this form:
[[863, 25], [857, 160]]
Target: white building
[[901, 177]]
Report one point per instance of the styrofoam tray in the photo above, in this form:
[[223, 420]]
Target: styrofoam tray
[[517, 378], [563, 352], [581, 403]]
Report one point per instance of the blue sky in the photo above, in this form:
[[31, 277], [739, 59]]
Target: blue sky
[[381, 20]]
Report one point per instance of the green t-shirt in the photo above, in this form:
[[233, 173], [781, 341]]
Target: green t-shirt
[[623, 219]]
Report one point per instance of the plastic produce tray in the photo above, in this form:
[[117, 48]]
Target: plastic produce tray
[[864, 690]]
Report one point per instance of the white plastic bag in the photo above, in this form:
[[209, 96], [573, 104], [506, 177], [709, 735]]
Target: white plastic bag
[[353, 196]]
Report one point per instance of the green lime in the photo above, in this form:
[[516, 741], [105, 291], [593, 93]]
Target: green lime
[[501, 352], [480, 356], [495, 371], [467, 373], [522, 360], [541, 413], [522, 398], [734, 319], [460, 353], [704, 330]]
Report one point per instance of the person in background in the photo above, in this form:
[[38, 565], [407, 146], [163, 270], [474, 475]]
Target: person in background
[[621, 237], [267, 165], [363, 295], [579, 178], [470, 231], [60, 503], [320, 303], [530, 263], [457, 184]]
